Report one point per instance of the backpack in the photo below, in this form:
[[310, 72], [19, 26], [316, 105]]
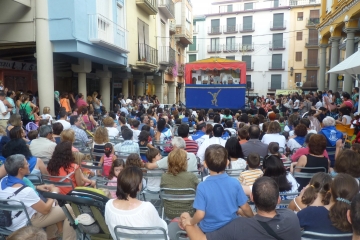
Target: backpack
[[5, 215], [24, 115]]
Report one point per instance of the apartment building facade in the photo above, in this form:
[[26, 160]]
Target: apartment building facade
[[339, 30], [238, 30]]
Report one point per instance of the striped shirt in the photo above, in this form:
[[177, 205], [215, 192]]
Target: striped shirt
[[248, 177], [191, 146]]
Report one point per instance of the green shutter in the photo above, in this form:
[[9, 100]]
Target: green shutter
[[192, 47], [276, 61], [278, 40], [276, 81], [192, 58], [278, 19], [247, 23]]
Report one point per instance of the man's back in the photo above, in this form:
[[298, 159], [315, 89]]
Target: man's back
[[254, 146], [285, 224], [127, 146], [42, 147], [191, 145], [80, 135]]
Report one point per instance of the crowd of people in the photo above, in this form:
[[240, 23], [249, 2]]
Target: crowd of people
[[247, 161]]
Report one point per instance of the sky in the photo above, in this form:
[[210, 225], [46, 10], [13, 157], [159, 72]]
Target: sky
[[200, 7]]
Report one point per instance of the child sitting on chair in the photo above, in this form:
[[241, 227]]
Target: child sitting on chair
[[153, 183], [107, 159]]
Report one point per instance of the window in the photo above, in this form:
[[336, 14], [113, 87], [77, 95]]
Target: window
[[311, 75], [229, 8], [231, 25], [277, 41], [230, 57], [329, 3], [248, 82], [297, 77], [275, 81], [300, 16], [247, 23], [314, 17], [193, 46], [313, 37], [247, 42], [248, 6], [298, 36], [188, 19], [215, 44], [192, 58], [298, 56], [278, 20], [312, 58], [143, 36], [230, 44], [277, 61], [215, 25], [247, 59], [276, 3]]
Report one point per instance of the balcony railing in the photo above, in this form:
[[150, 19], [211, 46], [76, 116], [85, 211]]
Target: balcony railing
[[246, 47], [149, 6], [214, 49], [304, 2], [272, 86], [167, 8], [147, 54], [247, 28], [214, 30], [312, 42], [167, 56], [250, 66], [277, 65], [277, 45], [230, 48], [311, 63], [106, 33], [278, 25], [172, 26], [230, 29], [312, 22], [181, 70], [240, 7]]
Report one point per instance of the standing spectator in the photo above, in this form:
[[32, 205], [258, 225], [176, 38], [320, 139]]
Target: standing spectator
[[191, 145], [346, 101], [10, 98], [65, 103], [57, 103], [4, 111], [81, 102], [96, 103]]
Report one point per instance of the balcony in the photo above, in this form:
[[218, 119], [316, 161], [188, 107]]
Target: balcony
[[214, 49], [273, 86], [167, 56], [244, 28], [229, 48], [149, 6], [311, 43], [246, 47], [230, 29], [193, 48], [250, 66], [278, 45], [181, 70], [273, 66], [277, 26], [147, 56], [312, 22], [167, 8], [304, 2], [214, 30], [185, 34], [106, 33], [172, 26], [311, 63]]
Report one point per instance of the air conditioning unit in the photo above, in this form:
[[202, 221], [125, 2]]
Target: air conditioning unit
[[299, 84]]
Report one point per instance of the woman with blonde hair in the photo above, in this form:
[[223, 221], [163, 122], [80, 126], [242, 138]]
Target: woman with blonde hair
[[111, 127], [96, 103], [69, 135], [101, 137], [89, 101]]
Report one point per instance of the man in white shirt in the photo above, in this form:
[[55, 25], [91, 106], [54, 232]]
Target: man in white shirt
[[44, 146], [177, 142], [62, 120], [5, 112], [218, 131]]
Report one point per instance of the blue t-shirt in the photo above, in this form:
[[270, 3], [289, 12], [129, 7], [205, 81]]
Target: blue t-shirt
[[220, 197], [316, 219], [197, 135], [225, 136]]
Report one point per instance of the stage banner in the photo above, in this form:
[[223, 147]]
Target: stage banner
[[215, 96]]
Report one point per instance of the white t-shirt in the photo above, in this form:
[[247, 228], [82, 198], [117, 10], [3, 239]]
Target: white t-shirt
[[199, 141], [3, 109], [47, 116], [136, 135], [348, 119], [238, 164], [153, 183], [206, 144], [191, 164], [145, 215], [66, 124], [274, 137], [296, 104], [293, 144], [112, 131], [29, 197], [319, 105]]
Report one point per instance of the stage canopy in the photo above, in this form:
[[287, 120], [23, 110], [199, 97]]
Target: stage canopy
[[215, 64]]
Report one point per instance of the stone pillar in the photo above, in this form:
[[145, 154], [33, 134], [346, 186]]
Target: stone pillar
[[82, 68], [333, 62], [182, 93], [44, 57], [322, 71], [105, 90], [140, 87], [159, 89], [125, 87], [172, 93], [348, 80]]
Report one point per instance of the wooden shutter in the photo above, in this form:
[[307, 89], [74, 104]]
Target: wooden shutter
[[247, 23], [314, 13], [313, 36], [298, 56], [297, 77], [278, 40], [278, 19], [300, 16], [312, 57], [311, 75], [298, 36]]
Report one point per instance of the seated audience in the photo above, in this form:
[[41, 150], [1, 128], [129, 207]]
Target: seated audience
[[101, 137], [136, 131], [63, 117], [128, 146], [347, 161], [57, 129], [299, 138], [110, 126], [254, 145], [116, 167], [249, 176], [243, 134], [305, 150], [353, 216], [107, 159], [28, 232], [44, 145], [69, 135], [273, 135], [235, 154], [80, 134], [153, 183], [191, 145]]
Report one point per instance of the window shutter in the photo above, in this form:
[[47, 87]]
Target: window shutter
[[275, 81], [248, 81], [300, 16], [278, 19], [192, 57], [215, 25], [247, 23], [277, 61], [278, 40], [247, 40], [298, 56], [312, 57], [314, 14], [248, 6], [311, 75], [298, 36], [247, 59], [313, 36]]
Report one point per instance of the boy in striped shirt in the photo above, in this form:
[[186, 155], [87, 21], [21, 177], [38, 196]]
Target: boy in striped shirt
[[248, 177]]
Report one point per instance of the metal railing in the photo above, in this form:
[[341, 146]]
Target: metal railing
[[249, 67], [274, 86], [230, 29], [105, 32], [276, 65], [230, 47], [278, 45], [303, 2], [169, 5], [247, 27], [246, 47], [150, 6], [314, 62], [278, 25], [312, 42], [312, 21], [147, 54], [167, 55], [214, 30], [214, 48]]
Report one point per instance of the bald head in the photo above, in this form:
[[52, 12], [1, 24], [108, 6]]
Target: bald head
[[254, 132]]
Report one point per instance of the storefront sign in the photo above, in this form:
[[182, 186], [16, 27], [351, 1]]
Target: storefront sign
[[17, 65], [117, 85]]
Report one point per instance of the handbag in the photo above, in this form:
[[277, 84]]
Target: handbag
[[5, 216]]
